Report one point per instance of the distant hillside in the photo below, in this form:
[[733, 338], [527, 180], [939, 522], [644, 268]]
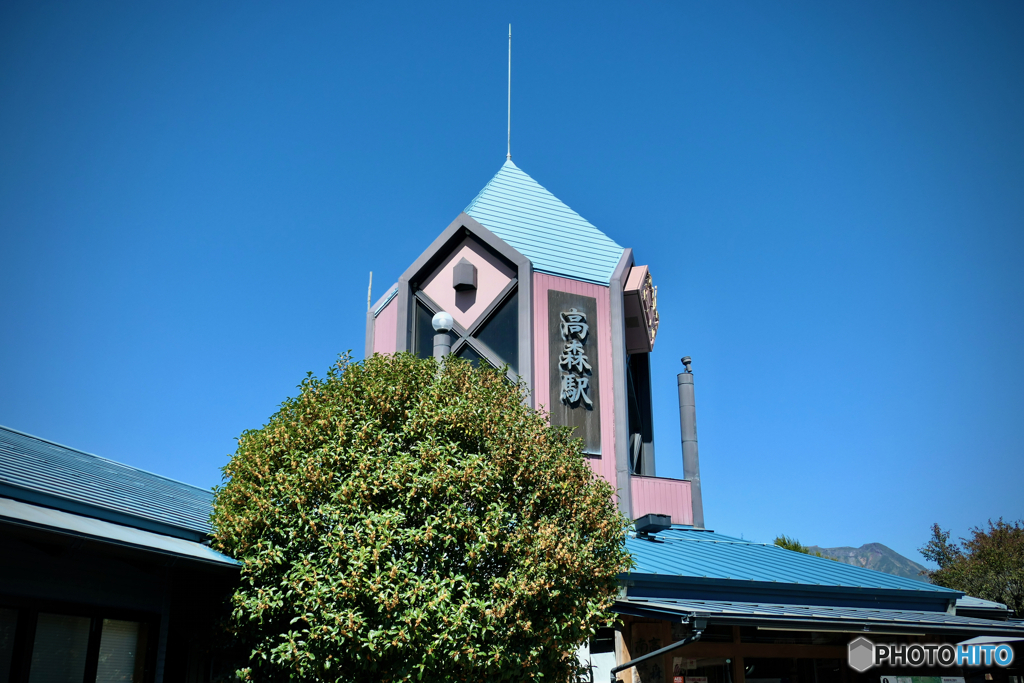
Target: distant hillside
[[875, 556]]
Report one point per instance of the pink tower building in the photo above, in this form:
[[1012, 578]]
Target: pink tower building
[[533, 285]]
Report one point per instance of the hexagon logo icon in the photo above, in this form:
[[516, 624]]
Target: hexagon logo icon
[[862, 655]]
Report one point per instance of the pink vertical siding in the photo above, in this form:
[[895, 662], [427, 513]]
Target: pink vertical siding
[[663, 497], [385, 329], [605, 465]]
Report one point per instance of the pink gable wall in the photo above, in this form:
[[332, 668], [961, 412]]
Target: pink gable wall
[[385, 329], [466, 307], [605, 465]]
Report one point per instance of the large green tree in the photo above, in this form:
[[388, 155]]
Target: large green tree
[[399, 522], [988, 565]]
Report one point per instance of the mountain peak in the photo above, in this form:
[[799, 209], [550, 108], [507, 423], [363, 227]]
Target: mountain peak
[[878, 557]]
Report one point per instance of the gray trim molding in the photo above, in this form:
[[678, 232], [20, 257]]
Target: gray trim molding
[[464, 225], [385, 299], [404, 324], [622, 473], [85, 509], [435, 307], [370, 323], [526, 328]]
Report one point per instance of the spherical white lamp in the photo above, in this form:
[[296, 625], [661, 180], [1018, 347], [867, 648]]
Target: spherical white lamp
[[442, 322]]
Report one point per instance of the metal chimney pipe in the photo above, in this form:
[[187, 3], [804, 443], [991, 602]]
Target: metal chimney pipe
[[688, 432]]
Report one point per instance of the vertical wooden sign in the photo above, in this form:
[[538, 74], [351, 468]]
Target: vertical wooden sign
[[572, 366]]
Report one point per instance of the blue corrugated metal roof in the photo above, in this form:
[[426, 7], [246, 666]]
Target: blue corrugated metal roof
[[687, 552], [534, 222], [825, 617], [46, 473]]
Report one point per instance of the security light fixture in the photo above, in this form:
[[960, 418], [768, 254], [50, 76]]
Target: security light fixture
[[442, 322], [464, 276]]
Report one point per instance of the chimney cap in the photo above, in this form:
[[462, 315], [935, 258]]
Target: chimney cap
[[686, 363]]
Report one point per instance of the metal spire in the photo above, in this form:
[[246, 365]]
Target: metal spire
[[509, 155]]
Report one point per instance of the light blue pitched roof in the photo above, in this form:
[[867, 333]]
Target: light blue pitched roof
[[686, 552], [45, 473], [534, 222]]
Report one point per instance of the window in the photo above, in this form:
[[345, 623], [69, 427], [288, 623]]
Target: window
[[424, 344], [501, 332], [60, 648], [119, 656], [467, 353], [72, 648], [640, 414], [8, 627], [603, 641], [493, 340]]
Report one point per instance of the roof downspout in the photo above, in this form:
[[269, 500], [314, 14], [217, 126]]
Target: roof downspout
[[688, 432]]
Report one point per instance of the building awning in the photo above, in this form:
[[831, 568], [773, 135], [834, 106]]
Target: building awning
[[26, 514], [814, 617], [990, 640]]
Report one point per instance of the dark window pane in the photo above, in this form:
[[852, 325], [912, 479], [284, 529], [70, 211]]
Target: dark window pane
[[603, 641], [8, 625], [467, 353], [58, 654], [424, 332], [638, 404], [501, 332]]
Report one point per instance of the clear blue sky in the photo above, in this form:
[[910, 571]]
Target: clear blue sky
[[830, 197]]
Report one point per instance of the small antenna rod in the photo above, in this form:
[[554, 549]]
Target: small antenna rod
[[369, 291], [509, 155]]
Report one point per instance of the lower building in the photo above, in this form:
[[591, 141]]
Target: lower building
[[770, 615], [105, 573]]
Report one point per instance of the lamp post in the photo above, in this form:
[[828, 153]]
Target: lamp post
[[442, 323]]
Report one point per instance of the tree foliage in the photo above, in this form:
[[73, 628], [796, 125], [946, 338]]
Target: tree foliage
[[988, 565], [789, 543], [396, 523]]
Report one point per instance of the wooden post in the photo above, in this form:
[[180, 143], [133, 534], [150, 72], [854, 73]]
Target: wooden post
[[665, 633], [622, 650], [738, 668]]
